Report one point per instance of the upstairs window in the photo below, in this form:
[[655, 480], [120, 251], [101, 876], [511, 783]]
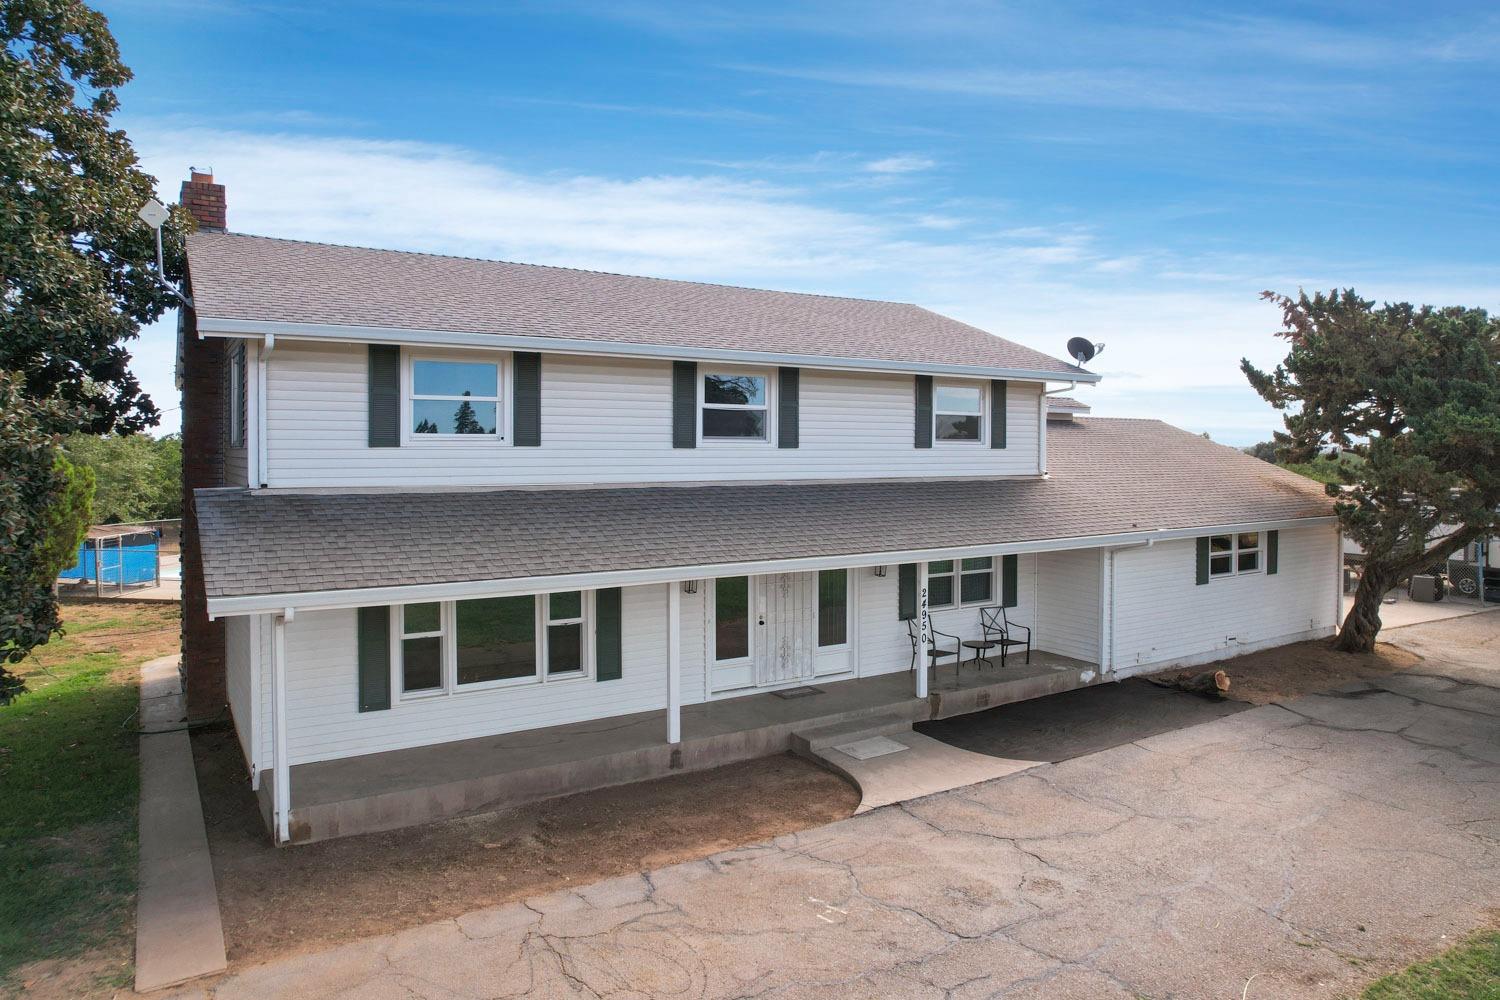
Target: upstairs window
[[734, 407], [455, 398], [957, 412], [1232, 555]]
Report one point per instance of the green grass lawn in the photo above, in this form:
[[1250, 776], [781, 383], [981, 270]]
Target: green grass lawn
[[1470, 971], [68, 786]]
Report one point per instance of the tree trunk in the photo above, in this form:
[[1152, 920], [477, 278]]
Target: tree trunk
[[1210, 684], [1362, 623]]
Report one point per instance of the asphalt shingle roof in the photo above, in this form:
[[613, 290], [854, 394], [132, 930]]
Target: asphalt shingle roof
[[1107, 476], [259, 279]]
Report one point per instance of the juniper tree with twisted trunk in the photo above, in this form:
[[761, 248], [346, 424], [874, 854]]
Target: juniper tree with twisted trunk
[[1415, 392]]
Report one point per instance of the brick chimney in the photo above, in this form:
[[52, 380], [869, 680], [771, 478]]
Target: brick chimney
[[204, 199], [203, 416]]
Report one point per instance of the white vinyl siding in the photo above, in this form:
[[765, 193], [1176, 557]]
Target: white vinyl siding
[[324, 721], [1161, 616], [1068, 603], [610, 421], [239, 681]]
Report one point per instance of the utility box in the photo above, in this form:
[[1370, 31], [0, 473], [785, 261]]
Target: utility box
[[1426, 588]]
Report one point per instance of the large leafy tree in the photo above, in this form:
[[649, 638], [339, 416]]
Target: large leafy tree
[[44, 513], [79, 266], [1414, 393], [139, 477]]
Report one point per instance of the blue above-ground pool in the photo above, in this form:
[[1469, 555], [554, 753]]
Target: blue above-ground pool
[[115, 560]]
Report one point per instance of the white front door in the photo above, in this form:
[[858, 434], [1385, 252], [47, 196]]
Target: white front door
[[786, 627]]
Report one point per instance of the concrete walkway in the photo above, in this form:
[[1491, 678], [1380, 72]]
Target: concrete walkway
[[912, 767], [1311, 846], [178, 933]]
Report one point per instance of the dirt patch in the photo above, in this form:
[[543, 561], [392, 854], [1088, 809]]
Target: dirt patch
[[1301, 668], [276, 901], [99, 974]]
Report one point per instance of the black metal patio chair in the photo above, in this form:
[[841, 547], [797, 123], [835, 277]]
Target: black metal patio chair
[[998, 628], [935, 653]]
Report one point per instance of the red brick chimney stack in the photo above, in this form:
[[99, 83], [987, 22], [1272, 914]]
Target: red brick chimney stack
[[205, 199]]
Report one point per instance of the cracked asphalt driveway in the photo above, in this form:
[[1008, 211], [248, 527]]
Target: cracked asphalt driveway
[[1312, 846]]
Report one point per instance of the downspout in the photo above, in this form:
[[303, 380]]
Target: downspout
[[281, 788], [1041, 421]]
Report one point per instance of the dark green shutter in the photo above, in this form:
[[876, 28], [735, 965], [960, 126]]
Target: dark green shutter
[[374, 642], [906, 591], [1008, 596], [1202, 561], [999, 389], [527, 405], [684, 404], [924, 411], [788, 391], [609, 664], [385, 396], [1273, 542]]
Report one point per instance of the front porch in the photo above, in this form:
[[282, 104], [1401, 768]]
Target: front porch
[[397, 788]]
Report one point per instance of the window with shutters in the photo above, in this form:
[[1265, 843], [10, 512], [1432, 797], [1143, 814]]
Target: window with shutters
[[1235, 555], [958, 412], [447, 647], [453, 398], [953, 583], [735, 406]]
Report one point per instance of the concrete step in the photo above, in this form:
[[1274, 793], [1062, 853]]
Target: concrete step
[[809, 741]]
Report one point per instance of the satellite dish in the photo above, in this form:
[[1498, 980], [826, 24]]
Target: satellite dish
[[1083, 350]]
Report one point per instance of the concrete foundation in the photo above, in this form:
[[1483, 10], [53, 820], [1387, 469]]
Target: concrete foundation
[[399, 788]]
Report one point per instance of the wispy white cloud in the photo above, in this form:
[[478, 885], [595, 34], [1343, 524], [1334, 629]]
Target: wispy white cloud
[[653, 110], [900, 164]]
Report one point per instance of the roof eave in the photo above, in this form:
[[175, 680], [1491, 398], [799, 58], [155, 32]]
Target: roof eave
[[327, 600], [211, 326]]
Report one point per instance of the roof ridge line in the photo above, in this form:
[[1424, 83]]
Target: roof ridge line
[[575, 270]]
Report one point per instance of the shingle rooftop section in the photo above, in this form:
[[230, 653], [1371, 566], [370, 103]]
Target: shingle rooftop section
[[1108, 476], [1067, 404], [258, 279]]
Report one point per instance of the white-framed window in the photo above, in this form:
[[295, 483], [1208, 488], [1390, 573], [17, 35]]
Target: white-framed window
[[953, 583], [444, 647], [421, 653], [453, 398], [958, 412], [1233, 555], [236, 396], [735, 406]]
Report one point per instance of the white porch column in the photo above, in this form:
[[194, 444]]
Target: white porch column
[[281, 788], [924, 630], [674, 662]]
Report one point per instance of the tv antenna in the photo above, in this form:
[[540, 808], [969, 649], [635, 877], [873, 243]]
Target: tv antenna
[[155, 214]]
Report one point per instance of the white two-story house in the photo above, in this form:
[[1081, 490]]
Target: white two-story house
[[468, 532]]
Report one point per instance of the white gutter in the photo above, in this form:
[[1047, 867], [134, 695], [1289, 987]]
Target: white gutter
[[323, 600], [210, 327], [263, 453]]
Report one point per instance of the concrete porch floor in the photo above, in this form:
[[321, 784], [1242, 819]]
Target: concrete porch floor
[[403, 787]]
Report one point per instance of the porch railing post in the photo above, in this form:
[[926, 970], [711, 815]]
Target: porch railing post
[[674, 662], [924, 634]]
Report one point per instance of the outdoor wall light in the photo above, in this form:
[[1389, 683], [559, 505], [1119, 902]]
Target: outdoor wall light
[[689, 586], [880, 571]]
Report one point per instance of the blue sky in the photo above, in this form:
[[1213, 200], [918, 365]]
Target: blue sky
[[1135, 174]]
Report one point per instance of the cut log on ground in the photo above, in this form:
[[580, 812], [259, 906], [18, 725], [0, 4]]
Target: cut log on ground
[[1210, 684]]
